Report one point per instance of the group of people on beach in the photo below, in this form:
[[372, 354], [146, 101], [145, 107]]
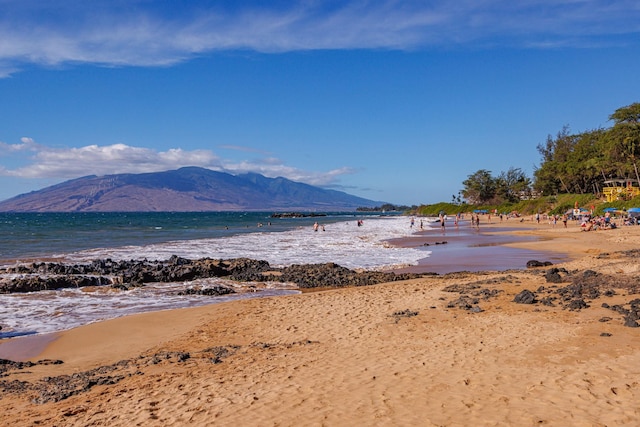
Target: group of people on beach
[[598, 223], [588, 222]]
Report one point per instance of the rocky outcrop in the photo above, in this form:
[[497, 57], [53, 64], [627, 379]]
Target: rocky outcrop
[[296, 215], [34, 283], [333, 275], [535, 263], [127, 274]]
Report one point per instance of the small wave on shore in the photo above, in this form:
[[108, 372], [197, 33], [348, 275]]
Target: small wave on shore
[[57, 310], [343, 243]]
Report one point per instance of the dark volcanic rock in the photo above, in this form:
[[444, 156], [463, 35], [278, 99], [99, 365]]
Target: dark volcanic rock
[[525, 297], [126, 274], [333, 275], [579, 290], [33, 283], [465, 302], [209, 291], [9, 365], [553, 276], [404, 313], [533, 264], [577, 304], [296, 215]]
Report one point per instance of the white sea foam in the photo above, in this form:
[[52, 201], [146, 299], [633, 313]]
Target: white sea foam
[[51, 311], [344, 243]]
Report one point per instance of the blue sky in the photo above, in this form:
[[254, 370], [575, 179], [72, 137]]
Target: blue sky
[[396, 101]]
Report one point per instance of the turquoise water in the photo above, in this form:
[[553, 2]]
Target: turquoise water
[[41, 235], [340, 238]]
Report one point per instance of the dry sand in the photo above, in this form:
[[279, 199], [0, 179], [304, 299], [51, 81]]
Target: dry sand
[[387, 355]]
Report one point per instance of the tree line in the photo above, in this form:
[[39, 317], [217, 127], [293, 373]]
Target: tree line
[[570, 163]]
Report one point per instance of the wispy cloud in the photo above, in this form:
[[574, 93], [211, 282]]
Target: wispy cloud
[[26, 144], [65, 163], [146, 33]]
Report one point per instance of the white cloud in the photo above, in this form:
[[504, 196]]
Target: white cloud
[[140, 33], [26, 144], [48, 162], [273, 167], [67, 163]]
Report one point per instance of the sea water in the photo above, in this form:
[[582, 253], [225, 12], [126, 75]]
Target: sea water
[[83, 237]]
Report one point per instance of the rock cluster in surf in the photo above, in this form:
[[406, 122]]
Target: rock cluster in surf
[[126, 274]]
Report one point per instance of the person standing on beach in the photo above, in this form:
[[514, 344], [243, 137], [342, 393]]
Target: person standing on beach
[[442, 220]]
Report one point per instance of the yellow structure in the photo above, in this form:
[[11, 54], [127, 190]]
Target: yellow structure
[[620, 189]]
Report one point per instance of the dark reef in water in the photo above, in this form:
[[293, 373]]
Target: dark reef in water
[[127, 274], [296, 215]]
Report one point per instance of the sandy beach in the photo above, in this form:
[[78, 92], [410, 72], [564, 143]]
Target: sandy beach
[[442, 350]]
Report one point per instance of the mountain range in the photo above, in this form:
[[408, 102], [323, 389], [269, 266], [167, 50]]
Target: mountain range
[[189, 189]]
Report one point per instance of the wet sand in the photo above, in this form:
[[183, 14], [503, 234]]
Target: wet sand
[[401, 353], [466, 248], [462, 248], [25, 348]]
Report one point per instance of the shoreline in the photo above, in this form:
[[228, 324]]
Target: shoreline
[[400, 353], [512, 247], [463, 242]]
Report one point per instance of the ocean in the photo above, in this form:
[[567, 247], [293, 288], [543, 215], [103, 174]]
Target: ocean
[[82, 237]]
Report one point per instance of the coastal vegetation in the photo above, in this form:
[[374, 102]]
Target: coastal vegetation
[[575, 170], [555, 204], [580, 163]]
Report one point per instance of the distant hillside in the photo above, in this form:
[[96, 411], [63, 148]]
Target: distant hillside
[[189, 189]]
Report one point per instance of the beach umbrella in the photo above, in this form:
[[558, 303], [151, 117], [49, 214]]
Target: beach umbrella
[[634, 212]]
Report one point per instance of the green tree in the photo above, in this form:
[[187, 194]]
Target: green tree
[[579, 163], [623, 140], [479, 187], [512, 184], [551, 175], [629, 114]]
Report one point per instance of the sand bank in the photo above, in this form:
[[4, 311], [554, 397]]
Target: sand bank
[[405, 353]]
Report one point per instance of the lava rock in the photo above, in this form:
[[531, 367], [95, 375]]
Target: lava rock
[[534, 263], [525, 297]]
